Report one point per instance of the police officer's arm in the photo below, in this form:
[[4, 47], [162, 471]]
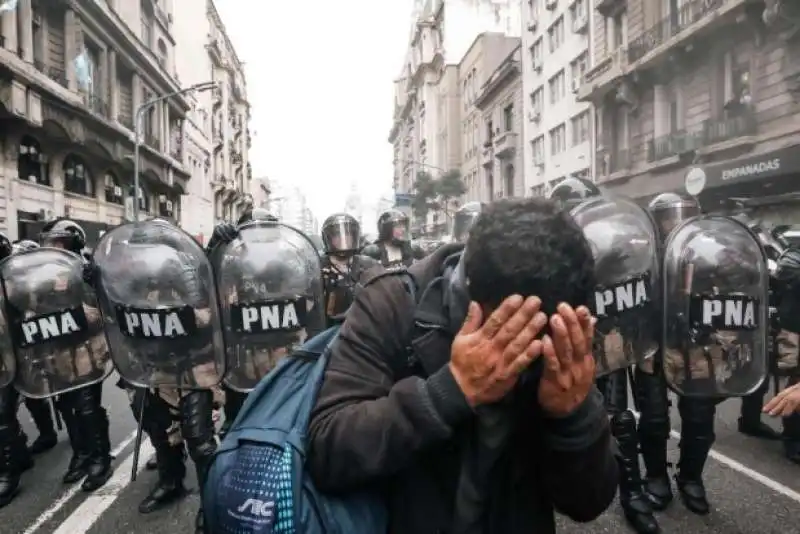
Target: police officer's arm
[[366, 424]]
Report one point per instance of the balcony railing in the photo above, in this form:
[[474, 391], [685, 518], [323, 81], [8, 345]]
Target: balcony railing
[[125, 120], [57, 75], [670, 26], [729, 127], [673, 144], [611, 161], [96, 104], [151, 140]]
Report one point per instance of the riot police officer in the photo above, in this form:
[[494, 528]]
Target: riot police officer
[[788, 340], [624, 243], [393, 246], [463, 220], [342, 266], [14, 455], [81, 410]]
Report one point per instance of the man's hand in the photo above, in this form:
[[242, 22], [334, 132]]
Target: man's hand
[[224, 232], [784, 403], [486, 359], [569, 365]]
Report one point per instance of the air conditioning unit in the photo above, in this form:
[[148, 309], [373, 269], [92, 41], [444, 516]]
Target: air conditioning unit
[[117, 191], [580, 23], [162, 199], [551, 4], [576, 84], [537, 65], [532, 25], [535, 115]]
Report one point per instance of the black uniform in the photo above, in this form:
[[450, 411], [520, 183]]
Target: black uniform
[[393, 246], [81, 410]]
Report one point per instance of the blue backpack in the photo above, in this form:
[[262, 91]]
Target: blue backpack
[[258, 483]]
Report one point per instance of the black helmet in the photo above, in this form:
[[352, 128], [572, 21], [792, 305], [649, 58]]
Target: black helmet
[[6, 248], [26, 245], [463, 220], [256, 214], [572, 191], [341, 234], [788, 268], [63, 233], [393, 225], [671, 209]]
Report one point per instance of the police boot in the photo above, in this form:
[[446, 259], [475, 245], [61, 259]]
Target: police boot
[[15, 459], [697, 437], [94, 423], [750, 423], [42, 416], [171, 472], [76, 469], [791, 438], [654, 426], [197, 427], [632, 497]]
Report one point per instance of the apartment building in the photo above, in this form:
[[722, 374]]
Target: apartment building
[[489, 142], [557, 128], [290, 205], [426, 105], [230, 117], [698, 97], [74, 75]]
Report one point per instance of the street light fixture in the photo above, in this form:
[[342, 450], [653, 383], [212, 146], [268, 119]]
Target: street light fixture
[[137, 134]]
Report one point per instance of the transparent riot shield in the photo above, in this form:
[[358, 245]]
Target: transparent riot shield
[[716, 307], [158, 298], [54, 322], [8, 362], [624, 244], [271, 293]]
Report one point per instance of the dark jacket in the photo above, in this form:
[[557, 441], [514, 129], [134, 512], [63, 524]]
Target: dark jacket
[[375, 425]]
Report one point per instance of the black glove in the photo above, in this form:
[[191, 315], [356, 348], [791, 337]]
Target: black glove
[[91, 272], [224, 233]]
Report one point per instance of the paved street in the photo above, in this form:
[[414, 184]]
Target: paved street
[[753, 490]]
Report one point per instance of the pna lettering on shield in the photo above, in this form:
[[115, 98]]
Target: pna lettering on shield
[[154, 323], [729, 313], [46, 327], [270, 316], [622, 297]]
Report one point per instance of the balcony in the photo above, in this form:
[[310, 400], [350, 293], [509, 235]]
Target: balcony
[[580, 24], [96, 105], [675, 144], [692, 19], [57, 75], [610, 8], [126, 120], [176, 152], [487, 155], [151, 140], [215, 52], [601, 79], [732, 129], [505, 144], [610, 161]]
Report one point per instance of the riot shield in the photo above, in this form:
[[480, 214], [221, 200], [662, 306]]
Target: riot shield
[[271, 293], [8, 362], [54, 323], [157, 294], [716, 281], [624, 244]]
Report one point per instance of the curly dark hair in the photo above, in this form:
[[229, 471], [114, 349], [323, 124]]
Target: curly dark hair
[[529, 247]]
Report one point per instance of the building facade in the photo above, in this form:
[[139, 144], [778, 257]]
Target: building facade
[[493, 118], [557, 128], [426, 99], [290, 205], [75, 74], [703, 99]]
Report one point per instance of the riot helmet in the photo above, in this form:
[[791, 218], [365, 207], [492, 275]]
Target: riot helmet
[[572, 191], [64, 234], [341, 234], [256, 214], [393, 226], [463, 220], [6, 248], [26, 245], [671, 209]]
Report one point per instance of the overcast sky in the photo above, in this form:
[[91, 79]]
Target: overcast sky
[[319, 77]]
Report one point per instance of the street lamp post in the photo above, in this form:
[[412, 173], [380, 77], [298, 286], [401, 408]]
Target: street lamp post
[[137, 133]]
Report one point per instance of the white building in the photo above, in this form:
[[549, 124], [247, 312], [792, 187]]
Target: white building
[[442, 32], [557, 129], [218, 132], [290, 205]]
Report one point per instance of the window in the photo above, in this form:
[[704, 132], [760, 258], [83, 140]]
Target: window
[[533, 9], [535, 52], [537, 150], [77, 178], [508, 118], [537, 100], [578, 67], [577, 11], [489, 131], [162, 53], [32, 165], [557, 86], [668, 106], [113, 189], [580, 128], [616, 31], [558, 139], [737, 90], [144, 200], [555, 34]]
